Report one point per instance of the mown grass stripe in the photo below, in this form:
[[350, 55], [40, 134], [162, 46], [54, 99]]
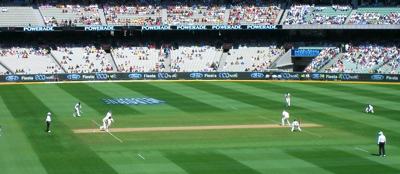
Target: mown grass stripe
[[59, 152], [309, 108], [209, 162], [172, 98], [235, 95], [93, 98], [350, 100], [341, 162]]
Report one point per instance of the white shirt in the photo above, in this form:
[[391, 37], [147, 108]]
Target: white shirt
[[108, 115], [381, 139], [295, 124], [285, 114], [77, 106], [48, 118]]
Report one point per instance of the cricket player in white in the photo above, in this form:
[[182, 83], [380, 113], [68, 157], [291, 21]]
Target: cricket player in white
[[381, 144], [287, 99], [296, 125], [107, 120], [369, 109], [78, 108], [285, 117], [48, 121]]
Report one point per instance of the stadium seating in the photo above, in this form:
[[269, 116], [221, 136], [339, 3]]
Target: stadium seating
[[326, 55], [367, 58], [71, 15], [20, 16], [29, 61], [195, 15], [251, 58], [375, 16], [254, 15], [3, 70], [83, 59], [139, 59], [133, 15], [307, 14], [195, 59]]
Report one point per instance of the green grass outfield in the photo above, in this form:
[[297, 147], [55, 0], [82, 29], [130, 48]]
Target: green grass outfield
[[345, 143]]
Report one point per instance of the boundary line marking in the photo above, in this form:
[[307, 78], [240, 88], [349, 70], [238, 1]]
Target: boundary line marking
[[109, 132]]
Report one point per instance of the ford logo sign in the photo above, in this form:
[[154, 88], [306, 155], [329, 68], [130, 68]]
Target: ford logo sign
[[40, 77], [224, 75], [257, 75], [135, 76], [315, 76], [101, 76], [73, 76], [196, 75], [12, 78], [377, 77]]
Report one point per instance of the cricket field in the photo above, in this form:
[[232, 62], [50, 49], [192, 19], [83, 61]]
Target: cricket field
[[204, 127]]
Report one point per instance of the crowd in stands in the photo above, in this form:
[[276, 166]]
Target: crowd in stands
[[195, 14], [254, 15], [195, 58], [310, 14], [133, 15], [140, 58], [70, 15], [367, 58], [392, 18], [322, 59], [87, 59], [20, 60]]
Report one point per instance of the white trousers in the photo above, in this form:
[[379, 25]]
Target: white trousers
[[285, 119], [296, 128]]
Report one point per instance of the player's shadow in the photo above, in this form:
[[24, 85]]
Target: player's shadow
[[374, 154]]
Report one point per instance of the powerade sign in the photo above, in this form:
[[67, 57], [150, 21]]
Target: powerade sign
[[132, 101], [38, 29], [161, 27], [305, 52], [99, 28]]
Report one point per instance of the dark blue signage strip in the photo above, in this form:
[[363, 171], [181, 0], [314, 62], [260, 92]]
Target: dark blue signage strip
[[202, 76]]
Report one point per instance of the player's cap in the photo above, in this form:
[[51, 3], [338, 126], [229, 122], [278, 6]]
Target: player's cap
[[380, 133], [49, 113]]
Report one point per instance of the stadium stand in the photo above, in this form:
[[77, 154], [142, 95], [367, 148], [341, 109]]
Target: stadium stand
[[195, 59], [139, 59], [310, 14], [254, 15], [246, 58], [326, 55], [133, 15], [71, 15], [3, 70], [86, 59], [20, 16], [368, 58], [29, 61], [195, 15], [383, 15]]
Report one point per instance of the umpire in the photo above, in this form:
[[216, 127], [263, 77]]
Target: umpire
[[381, 144], [48, 121]]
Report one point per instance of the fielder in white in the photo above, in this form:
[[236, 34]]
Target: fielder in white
[[296, 125], [107, 120], [287, 100], [285, 117], [369, 109], [77, 108]]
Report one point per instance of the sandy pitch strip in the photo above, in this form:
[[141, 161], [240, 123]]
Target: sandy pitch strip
[[192, 128]]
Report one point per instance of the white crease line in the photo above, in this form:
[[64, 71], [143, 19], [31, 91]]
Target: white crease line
[[141, 156], [109, 132]]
